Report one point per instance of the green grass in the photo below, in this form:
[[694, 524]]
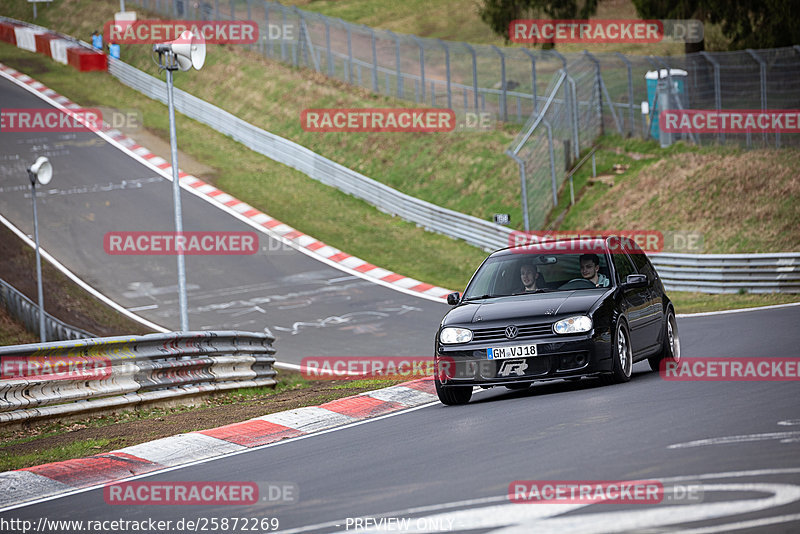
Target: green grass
[[76, 449], [686, 302]]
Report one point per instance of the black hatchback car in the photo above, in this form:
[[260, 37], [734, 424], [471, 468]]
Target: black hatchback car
[[555, 310]]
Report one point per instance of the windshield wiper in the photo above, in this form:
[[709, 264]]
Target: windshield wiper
[[537, 290], [486, 296]]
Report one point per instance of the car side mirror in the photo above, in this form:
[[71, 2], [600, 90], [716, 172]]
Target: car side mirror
[[635, 281], [453, 298]]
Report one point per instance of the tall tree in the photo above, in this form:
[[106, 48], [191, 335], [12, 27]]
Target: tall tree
[[498, 14], [747, 23]]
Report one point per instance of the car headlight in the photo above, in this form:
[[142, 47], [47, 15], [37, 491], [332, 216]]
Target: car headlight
[[573, 325], [455, 335]]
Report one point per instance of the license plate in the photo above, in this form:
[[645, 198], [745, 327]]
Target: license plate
[[518, 351]]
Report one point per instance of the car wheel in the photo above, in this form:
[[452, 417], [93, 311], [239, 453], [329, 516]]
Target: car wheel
[[622, 358], [671, 350], [453, 395]]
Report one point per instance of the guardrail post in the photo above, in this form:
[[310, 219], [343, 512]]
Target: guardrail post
[[475, 89], [533, 78], [717, 89], [630, 90], [504, 89], [447, 70]]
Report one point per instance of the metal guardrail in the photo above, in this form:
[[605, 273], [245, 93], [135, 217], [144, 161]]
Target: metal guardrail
[[25, 310], [435, 218], [730, 273], [64, 378]]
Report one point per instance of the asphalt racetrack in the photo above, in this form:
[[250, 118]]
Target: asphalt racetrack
[[439, 469]]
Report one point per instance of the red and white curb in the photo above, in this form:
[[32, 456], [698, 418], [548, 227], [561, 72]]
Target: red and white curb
[[41, 481], [269, 225]]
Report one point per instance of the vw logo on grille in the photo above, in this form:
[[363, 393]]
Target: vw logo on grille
[[511, 332]]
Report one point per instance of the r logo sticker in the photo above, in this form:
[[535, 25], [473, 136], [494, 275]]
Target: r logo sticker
[[510, 367]]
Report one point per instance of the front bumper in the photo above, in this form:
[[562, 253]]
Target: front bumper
[[557, 357]]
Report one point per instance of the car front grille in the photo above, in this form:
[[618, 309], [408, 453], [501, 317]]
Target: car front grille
[[526, 331]]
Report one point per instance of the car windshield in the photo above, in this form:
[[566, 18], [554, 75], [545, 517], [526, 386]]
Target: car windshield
[[517, 274]]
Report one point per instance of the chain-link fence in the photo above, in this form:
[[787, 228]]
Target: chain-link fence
[[587, 94]]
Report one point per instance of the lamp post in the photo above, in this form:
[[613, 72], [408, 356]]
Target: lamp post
[[185, 52], [41, 171]]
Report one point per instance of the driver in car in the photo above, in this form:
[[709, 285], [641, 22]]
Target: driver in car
[[590, 270], [529, 274]]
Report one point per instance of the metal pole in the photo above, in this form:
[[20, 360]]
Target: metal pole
[[533, 78], [176, 198], [552, 162], [447, 70], [421, 65], [42, 337], [374, 61], [504, 102], [630, 88], [475, 89], [524, 186]]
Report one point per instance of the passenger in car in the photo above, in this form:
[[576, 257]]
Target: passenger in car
[[590, 270], [531, 279]]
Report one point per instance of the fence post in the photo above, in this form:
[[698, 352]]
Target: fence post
[[328, 45], [524, 189], [397, 61], [552, 161], [474, 75], [533, 78], [269, 45], [249, 17], [763, 76], [349, 54], [630, 89], [216, 9], [421, 66], [374, 60], [599, 83], [447, 70], [283, 41], [233, 10], [504, 89], [717, 94]]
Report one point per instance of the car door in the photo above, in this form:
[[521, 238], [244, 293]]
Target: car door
[[653, 319], [635, 300]]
